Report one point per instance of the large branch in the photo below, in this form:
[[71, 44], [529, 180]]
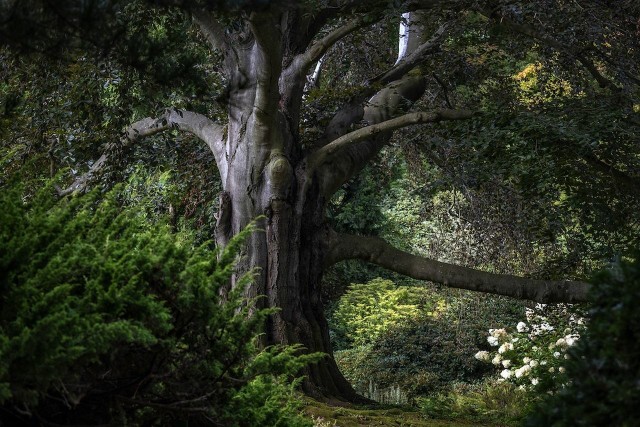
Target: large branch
[[266, 64], [378, 251], [326, 153], [303, 62], [353, 111], [415, 58], [201, 126], [212, 30]]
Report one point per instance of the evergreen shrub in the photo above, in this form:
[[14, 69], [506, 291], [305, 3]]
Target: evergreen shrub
[[108, 317]]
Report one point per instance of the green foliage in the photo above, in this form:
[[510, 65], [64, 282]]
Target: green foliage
[[605, 365], [369, 309], [412, 337], [108, 316]]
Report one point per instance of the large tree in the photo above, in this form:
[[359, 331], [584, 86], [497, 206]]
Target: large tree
[[270, 54]]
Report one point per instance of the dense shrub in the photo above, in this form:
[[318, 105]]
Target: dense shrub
[[369, 309], [108, 317], [604, 368], [533, 355], [420, 339], [422, 357], [486, 403]]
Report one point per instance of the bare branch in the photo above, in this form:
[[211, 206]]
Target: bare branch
[[324, 154], [212, 29], [378, 251], [266, 63], [303, 62], [415, 58], [201, 126], [353, 111]]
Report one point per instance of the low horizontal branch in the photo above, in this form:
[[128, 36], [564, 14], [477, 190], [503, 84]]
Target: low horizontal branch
[[378, 251]]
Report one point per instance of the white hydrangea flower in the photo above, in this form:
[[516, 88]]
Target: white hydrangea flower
[[570, 340], [552, 369], [522, 371], [506, 363], [522, 327], [534, 348], [483, 356], [493, 341], [533, 363], [556, 354], [535, 381], [561, 369], [498, 333], [505, 347], [505, 374], [561, 342], [544, 362], [546, 327], [497, 359], [526, 360]]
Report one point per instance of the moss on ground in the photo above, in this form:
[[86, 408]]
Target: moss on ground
[[329, 416]]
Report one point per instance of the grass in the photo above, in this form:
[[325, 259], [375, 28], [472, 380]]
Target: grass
[[329, 416], [488, 404]]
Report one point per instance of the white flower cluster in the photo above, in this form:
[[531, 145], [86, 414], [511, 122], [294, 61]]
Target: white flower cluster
[[496, 336], [482, 356], [543, 358]]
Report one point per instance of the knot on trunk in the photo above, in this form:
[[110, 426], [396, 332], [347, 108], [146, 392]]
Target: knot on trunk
[[279, 177]]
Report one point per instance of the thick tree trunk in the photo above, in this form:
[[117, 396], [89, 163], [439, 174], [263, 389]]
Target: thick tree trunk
[[288, 256]]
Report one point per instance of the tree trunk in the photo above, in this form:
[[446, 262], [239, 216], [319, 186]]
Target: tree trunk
[[289, 255]]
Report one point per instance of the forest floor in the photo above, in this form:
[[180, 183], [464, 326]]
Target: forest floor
[[330, 416]]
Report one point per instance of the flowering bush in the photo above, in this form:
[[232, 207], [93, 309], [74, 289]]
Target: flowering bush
[[533, 354]]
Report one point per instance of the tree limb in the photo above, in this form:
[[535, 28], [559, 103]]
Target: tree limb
[[303, 62], [415, 58], [325, 153], [353, 111], [201, 126], [266, 64], [378, 251], [212, 30]]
